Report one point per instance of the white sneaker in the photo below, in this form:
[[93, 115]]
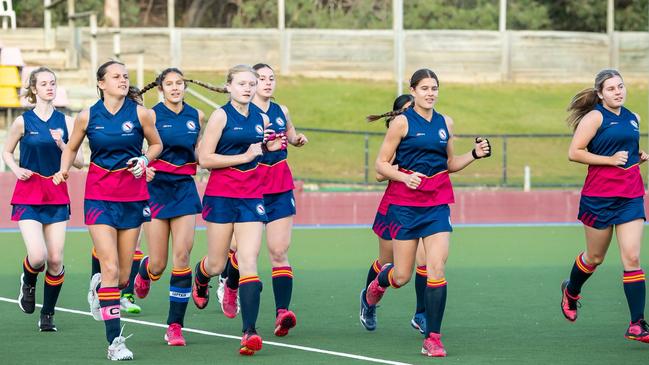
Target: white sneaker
[[127, 304], [93, 298], [221, 289], [117, 351]]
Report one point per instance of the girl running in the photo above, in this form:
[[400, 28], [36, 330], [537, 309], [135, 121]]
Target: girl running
[[41, 208], [606, 138], [417, 198], [116, 196]]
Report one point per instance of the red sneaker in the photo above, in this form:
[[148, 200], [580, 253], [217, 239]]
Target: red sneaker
[[141, 286], [374, 293], [569, 303], [285, 321], [174, 335], [200, 294], [638, 331], [230, 302], [433, 346], [250, 343]]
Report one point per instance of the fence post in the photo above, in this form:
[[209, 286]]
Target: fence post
[[504, 160], [367, 159], [397, 31], [93, 48]]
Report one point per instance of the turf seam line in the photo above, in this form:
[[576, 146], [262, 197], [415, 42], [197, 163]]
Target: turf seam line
[[214, 334]]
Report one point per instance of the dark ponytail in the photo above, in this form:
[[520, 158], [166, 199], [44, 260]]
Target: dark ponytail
[[587, 99], [397, 109]]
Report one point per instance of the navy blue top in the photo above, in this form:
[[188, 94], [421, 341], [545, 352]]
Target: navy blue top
[[423, 149], [38, 150]]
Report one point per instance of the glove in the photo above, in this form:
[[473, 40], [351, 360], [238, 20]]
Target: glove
[[137, 165], [478, 140]]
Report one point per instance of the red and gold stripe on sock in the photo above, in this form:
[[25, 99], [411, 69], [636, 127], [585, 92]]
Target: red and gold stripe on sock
[[634, 276], [230, 253], [391, 281], [94, 253], [583, 266], [248, 279], [376, 266], [138, 255], [421, 271], [106, 294], [29, 267], [54, 280], [233, 261], [282, 272], [436, 283], [151, 275], [202, 267], [181, 272]]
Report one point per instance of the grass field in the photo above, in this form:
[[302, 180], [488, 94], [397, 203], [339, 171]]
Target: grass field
[[503, 307], [483, 109]]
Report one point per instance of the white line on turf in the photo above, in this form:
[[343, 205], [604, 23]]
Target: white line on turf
[[207, 333]]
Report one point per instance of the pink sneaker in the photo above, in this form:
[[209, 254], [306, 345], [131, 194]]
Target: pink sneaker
[[285, 321], [174, 335], [433, 346], [201, 295], [230, 305], [638, 331], [569, 304], [250, 343], [141, 286], [374, 292]]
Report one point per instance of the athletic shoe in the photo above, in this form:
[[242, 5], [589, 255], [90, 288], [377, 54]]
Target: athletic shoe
[[230, 302], [26, 296], [418, 322], [93, 298], [285, 321], [433, 346], [174, 335], [638, 331], [46, 323], [200, 295], [141, 286], [117, 351], [127, 304], [374, 293], [367, 314], [221, 289], [569, 304], [250, 343]]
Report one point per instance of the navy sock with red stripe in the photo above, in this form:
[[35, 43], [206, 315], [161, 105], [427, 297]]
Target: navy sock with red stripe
[[249, 296], [581, 271], [435, 305], [282, 286], [634, 289], [51, 290], [420, 289], [374, 270], [30, 272]]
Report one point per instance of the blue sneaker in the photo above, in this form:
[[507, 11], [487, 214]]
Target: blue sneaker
[[418, 322], [367, 314]]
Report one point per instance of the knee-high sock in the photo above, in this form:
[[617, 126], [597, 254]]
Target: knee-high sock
[[385, 277], [145, 272], [581, 271], [224, 274], [233, 272], [51, 290], [135, 266], [110, 313], [96, 267], [435, 305], [180, 289], [201, 277], [282, 286], [634, 289], [420, 288], [249, 296], [374, 270], [30, 272]]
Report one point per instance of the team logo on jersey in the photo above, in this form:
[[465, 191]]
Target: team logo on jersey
[[442, 134], [127, 127], [259, 129], [260, 209], [280, 121], [191, 125], [634, 123], [146, 212]]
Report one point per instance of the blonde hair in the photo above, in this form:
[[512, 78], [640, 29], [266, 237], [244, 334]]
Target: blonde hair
[[29, 93]]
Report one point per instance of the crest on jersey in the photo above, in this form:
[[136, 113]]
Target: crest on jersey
[[191, 125], [280, 122], [442, 134], [634, 123], [260, 209], [146, 212], [259, 129], [127, 127]]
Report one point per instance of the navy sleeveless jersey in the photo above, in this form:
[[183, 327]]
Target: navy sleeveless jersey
[[277, 176]]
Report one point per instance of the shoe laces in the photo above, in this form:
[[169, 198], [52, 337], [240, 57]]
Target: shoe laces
[[573, 302], [130, 298]]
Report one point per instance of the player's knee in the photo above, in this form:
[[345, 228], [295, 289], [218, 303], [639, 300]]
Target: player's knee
[[181, 259], [55, 263], [157, 267], [278, 256], [594, 259], [109, 271], [400, 278], [37, 259], [215, 267], [632, 261]]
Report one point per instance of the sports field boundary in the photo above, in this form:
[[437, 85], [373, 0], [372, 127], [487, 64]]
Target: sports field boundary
[[222, 335]]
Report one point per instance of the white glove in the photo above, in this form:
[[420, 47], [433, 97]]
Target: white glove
[[138, 165]]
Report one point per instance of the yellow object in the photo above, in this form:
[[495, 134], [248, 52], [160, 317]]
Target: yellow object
[[9, 97], [9, 76]]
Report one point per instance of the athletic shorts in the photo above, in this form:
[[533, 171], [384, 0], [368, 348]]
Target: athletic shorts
[[598, 212], [173, 197], [44, 214], [409, 223], [119, 215], [217, 209], [279, 205]]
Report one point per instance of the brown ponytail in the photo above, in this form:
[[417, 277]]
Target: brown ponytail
[[217, 89], [587, 99], [398, 108]]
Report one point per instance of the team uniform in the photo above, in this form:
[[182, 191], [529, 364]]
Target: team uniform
[[38, 199], [613, 194]]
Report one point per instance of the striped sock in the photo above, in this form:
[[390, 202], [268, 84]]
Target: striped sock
[[180, 289], [249, 295], [233, 272], [374, 270], [135, 266], [31, 273], [282, 286], [420, 288], [145, 273], [581, 271], [201, 277], [51, 290], [634, 289], [435, 304], [109, 303], [96, 267], [224, 274], [385, 277]]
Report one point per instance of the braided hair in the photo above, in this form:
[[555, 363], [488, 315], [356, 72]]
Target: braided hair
[[398, 108], [160, 78]]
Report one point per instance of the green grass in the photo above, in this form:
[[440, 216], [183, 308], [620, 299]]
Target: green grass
[[481, 109], [503, 306]]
